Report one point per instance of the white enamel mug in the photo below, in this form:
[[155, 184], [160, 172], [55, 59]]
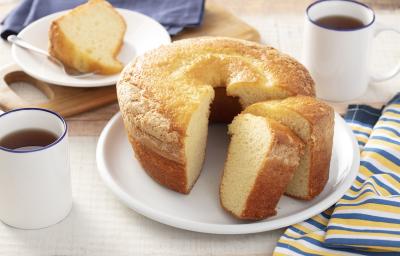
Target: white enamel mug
[[35, 186], [339, 60]]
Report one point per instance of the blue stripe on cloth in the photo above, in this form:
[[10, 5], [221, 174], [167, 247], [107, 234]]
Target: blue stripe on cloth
[[342, 249], [390, 129], [380, 201], [316, 224], [370, 167], [288, 246], [390, 157], [381, 184], [365, 230], [327, 216], [394, 100], [378, 182], [380, 137], [296, 230], [322, 245], [362, 216], [394, 176], [364, 191], [361, 133], [388, 188], [392, 111], [386, 119], [363, 241], [359, 179], [357, 190]]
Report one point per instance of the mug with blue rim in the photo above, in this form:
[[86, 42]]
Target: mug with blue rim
[[339, 58], [35, 185]]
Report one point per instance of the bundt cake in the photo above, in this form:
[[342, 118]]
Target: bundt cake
[[262, 157], [313, 122], [165, 97], [88, 38]]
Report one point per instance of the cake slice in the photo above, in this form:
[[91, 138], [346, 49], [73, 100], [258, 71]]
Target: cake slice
[[88, 38], [262, 157], [313, 122]]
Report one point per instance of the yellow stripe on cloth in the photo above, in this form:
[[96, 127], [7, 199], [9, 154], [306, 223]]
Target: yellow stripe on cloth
[[356, 127], [361, 138], [391, 123], [375, 142], [372, 207], [385, 133], [392, 115]]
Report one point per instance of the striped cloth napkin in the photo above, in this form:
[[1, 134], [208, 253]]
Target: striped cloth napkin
[[366, 220]]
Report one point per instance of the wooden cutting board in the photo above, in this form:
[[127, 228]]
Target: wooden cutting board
[[66, 101], [219, 22], [69, 101]]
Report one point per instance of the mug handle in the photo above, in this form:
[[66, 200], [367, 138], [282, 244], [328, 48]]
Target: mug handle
[[379, 78]]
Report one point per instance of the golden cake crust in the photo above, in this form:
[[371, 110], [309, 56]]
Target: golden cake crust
[[163, 170], [159, 91]]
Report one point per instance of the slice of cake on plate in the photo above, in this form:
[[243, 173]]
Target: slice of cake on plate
[[88, 38], [262, 157], [312, 121]]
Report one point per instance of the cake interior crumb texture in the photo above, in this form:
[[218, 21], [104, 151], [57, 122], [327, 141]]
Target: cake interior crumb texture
[[196, 139], [249, 145]]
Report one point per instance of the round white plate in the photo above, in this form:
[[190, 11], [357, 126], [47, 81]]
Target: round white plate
[[200, 210], [142, 34]]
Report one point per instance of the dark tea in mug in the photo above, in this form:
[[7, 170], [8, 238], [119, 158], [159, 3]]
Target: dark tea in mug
[[340, 22], [28, 139]]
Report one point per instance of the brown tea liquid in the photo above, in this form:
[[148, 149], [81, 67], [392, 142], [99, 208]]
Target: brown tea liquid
[[340, 22], [28, 139]]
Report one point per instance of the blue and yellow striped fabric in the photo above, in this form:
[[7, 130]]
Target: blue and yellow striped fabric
[[366, 220]]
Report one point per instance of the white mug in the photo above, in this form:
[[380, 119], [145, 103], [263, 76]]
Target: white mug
[[35, 186], [338, 60]]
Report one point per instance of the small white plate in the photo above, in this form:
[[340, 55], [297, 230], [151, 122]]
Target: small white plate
[[142, 34], [200, 210]]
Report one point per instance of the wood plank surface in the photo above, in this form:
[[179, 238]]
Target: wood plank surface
[[220, 22]]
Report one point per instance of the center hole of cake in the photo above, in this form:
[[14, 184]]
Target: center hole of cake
[[224, 108]]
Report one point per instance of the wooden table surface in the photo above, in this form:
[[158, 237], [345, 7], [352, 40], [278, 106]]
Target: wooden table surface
[[280, 25]]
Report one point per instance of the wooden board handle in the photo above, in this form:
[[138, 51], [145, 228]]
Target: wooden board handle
[[65, 100], [8, 98]]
